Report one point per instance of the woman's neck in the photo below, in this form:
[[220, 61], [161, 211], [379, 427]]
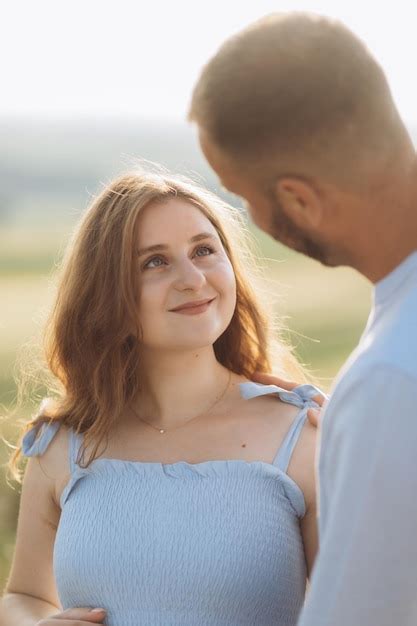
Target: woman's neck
[[178, 387]]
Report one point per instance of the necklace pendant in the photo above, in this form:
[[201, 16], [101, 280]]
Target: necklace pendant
[[161, 430]]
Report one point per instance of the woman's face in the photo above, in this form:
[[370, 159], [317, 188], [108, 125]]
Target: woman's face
[[181, 261]]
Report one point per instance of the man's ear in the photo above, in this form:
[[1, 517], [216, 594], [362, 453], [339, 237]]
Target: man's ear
[[300, 201]]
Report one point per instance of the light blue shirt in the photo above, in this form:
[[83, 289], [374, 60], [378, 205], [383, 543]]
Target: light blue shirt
[[366, 571]]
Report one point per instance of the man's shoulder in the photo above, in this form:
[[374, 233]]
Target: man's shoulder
[[369, 382], [390, 343], [368, 399]]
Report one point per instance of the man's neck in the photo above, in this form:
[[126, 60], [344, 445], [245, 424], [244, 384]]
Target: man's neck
[[388, 233], [378, 267]]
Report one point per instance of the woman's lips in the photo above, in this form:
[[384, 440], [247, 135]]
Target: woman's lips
[[194, 310]]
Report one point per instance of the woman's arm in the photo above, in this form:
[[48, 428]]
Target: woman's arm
[[309, 532], [31, 573], [302, 470], [30, 593], [18, 609]]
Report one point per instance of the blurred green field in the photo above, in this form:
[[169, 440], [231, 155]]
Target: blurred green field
[[325, 310]]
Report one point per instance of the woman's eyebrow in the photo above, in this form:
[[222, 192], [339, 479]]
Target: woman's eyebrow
[[164, 246]]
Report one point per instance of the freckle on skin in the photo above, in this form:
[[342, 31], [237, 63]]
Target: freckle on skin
[[243, 445]]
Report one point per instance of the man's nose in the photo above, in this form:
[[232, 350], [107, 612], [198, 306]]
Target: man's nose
[[189, 276]]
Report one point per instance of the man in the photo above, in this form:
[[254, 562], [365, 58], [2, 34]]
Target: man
[[296, 116]]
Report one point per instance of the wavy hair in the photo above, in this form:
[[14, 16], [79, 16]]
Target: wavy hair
[[91, 341]]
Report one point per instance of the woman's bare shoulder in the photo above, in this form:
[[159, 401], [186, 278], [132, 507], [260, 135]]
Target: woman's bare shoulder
[[54, 462], [56, 454], [270, 405]]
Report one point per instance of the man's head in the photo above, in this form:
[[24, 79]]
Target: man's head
[[296, 116]]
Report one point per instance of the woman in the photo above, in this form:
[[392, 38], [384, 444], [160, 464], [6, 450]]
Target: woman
[[201, 507]]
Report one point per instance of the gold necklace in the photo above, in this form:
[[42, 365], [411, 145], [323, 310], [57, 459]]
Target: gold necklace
[[164, 430]]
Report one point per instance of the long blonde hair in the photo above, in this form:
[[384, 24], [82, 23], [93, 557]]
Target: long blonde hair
[[92, 335]]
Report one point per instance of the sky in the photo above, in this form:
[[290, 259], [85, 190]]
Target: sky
[[141, 59]]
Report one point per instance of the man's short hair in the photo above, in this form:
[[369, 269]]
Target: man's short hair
[[299, 86]]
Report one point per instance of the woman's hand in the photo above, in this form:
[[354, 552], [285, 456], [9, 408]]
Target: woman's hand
[[270, 379], [75, 617]]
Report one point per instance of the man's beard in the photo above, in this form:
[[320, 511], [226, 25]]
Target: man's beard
[[283, 230]]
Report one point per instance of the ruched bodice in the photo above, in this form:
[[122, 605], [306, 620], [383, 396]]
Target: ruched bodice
[[213, 543]]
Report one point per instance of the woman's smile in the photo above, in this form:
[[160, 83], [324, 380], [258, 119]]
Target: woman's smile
[[190, 309]]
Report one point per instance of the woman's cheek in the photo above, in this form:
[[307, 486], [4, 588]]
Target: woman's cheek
[[227, 285], [151, 299], [229, 278]]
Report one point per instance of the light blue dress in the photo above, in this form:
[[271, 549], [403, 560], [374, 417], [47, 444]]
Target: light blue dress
[[213, 543]]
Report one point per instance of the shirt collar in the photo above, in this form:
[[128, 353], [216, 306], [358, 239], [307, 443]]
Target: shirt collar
[[385, 287]]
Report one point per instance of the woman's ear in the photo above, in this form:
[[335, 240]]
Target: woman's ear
[[301, 202]]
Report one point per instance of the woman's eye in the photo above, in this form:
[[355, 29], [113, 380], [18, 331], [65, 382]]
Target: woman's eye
[[206, 249], [158, 261], [154, 259]]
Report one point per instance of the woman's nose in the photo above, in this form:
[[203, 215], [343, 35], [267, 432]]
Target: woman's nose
[[189, 276]]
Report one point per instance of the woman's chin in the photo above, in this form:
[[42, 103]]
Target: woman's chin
[[189, 337], [188, 344]]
